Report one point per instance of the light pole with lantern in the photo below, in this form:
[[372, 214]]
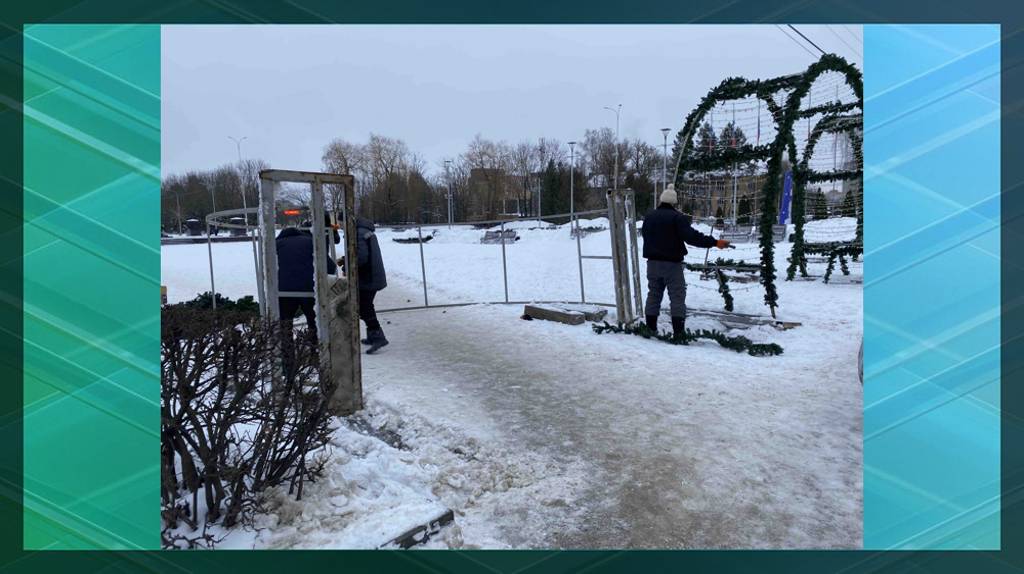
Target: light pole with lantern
[[616, 110]]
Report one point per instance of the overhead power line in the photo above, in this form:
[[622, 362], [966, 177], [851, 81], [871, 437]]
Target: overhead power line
[[793, 28], [843, 40], [798, 42]]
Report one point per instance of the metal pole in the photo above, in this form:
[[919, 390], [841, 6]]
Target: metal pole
[[540, 205], [268, 260], [321, 290], [575, 222], [664, 163], [579, 259], [630, 204], [209, 252], [245, 206], [735, 216], [615, 185], [617, 146], [260, 294], [177, 199], [423, 266], [572, 161], [504, 268], [448, 177]]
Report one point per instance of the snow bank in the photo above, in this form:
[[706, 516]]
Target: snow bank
[[373, 491]]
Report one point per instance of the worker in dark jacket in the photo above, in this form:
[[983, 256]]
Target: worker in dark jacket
[[295, 273], [666, 233], [371, 280]]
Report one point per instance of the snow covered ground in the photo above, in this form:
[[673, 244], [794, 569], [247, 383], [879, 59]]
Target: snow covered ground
[[543, 435]]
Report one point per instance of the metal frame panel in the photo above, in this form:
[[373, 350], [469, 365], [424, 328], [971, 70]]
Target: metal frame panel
[[322, 288], [267, 224]]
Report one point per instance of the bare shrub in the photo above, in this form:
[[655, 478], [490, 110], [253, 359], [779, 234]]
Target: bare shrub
[[236, 417]]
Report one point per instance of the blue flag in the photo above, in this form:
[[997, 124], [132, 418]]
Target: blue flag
[[787, 197]]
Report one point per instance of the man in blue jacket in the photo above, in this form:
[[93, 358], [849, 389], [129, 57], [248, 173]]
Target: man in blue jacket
[[295, 273], [666, 233]]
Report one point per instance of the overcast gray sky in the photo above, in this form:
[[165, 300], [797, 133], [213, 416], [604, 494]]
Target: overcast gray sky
[[291, 89]]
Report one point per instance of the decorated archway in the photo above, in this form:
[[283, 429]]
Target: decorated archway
[[791, 90]]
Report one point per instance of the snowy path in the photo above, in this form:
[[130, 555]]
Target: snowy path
[[683, 447], [543, 435]]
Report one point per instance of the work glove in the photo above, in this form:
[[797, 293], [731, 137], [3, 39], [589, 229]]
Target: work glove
[[723, 244]]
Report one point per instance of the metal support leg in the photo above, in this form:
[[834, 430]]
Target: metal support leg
[[423, 266], [634, 252], [504, 266], [209, 252], [579, 258], [320, 253]]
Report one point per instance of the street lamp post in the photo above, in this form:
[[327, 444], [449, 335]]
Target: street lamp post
[[572, 164], [238, 147], [616, 110], [245, 207], [664, 161], [448, 177]]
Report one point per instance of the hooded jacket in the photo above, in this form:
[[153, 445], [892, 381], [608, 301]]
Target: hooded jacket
[[371, 264], [295, 260]]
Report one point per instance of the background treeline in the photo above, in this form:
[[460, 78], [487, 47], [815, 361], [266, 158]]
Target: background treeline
[[490, 179]]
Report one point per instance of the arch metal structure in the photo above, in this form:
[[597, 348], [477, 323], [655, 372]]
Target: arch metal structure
[[795, 88], [833, 123]]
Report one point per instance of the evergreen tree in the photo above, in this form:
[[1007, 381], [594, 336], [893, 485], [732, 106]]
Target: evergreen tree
[[550, 189], [819, 205], [744, 216], [849, 207], [732, 136], [706, 141]]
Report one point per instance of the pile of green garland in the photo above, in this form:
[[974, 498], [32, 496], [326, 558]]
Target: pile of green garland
[[837, 250], [738, 344]]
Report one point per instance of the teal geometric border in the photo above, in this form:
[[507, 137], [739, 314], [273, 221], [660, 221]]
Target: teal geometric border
[[931, 287], [91, 286]]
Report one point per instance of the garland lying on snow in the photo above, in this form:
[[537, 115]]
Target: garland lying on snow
[[723, 279], [738, 344]]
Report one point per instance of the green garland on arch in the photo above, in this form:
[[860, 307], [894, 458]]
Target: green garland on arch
[[785, 118]]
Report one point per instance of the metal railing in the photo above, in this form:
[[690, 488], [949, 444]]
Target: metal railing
[[217, 219], [573, 220]]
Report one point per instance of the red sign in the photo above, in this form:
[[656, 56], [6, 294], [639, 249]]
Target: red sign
[[292, 212]]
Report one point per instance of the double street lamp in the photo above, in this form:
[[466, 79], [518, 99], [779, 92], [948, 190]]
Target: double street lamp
[[616, 110]]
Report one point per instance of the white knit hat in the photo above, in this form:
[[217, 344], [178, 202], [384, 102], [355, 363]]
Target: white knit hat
[[669, 195]]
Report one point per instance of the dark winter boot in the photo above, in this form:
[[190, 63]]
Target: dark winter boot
[[678, 327], [377, 340], [652, 323]]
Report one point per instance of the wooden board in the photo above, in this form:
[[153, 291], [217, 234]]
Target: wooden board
[[421, 533], [550, 313], [590, 312]]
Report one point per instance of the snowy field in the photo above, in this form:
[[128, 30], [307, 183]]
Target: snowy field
[[543, 435]]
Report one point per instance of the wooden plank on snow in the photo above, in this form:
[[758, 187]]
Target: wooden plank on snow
[[550, 313]]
